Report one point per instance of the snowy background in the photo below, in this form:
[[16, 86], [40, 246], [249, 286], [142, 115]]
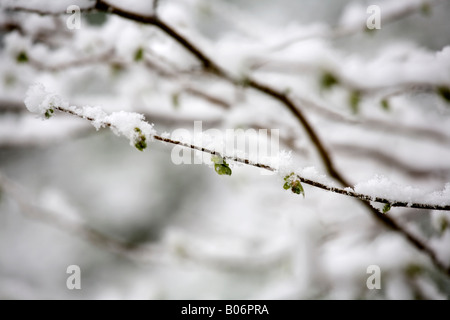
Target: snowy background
[[141, 227]]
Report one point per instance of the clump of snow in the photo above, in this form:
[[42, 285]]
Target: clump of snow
[[439, 197], [399, 63], [312, 173], [280, 161], [40, 101], [125, 123], [96, 115], [129, 124], [165, 135], [381, 186]]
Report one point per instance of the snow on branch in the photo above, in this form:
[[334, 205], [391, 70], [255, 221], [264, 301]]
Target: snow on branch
[[134, 127], [128, 124]]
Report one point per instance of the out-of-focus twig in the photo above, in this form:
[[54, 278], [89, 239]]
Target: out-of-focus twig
[[374, 124], [388, 160], [76, 227], [341, 31]]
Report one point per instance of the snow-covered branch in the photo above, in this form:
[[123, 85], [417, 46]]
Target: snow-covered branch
[[138, 131], [134, 127]]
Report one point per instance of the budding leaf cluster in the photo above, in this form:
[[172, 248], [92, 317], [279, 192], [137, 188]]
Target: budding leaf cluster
[[328, 80], [354, 101], [385, 104], [139, 54], [292, 182], [22, 57], [176, 100], [221, 166], [48, 114], [140, 140]]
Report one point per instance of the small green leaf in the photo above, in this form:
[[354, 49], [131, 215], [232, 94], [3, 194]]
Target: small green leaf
[[222, 169], [220, 165], [116, 68], [140, 144], [22, 57], [176, 100], [298, 188], [444, 225], [48, 114], [354, 101], [444, 93], [386, 208], [426, 9], [328, 80], [413, 270], [292, 182], [385, 105], [139, 54]]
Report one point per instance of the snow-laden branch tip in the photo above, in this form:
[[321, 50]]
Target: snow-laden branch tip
[[128, 124], [134, 127]]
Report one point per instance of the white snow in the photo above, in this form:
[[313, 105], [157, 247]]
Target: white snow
[[381, 186], [125, 123], [96, 115], [40, 101]]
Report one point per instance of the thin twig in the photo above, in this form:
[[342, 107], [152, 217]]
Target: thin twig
[[347, 191], [338, 32], [374, 124], [78, 228], [390, 161], [366, 199]]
